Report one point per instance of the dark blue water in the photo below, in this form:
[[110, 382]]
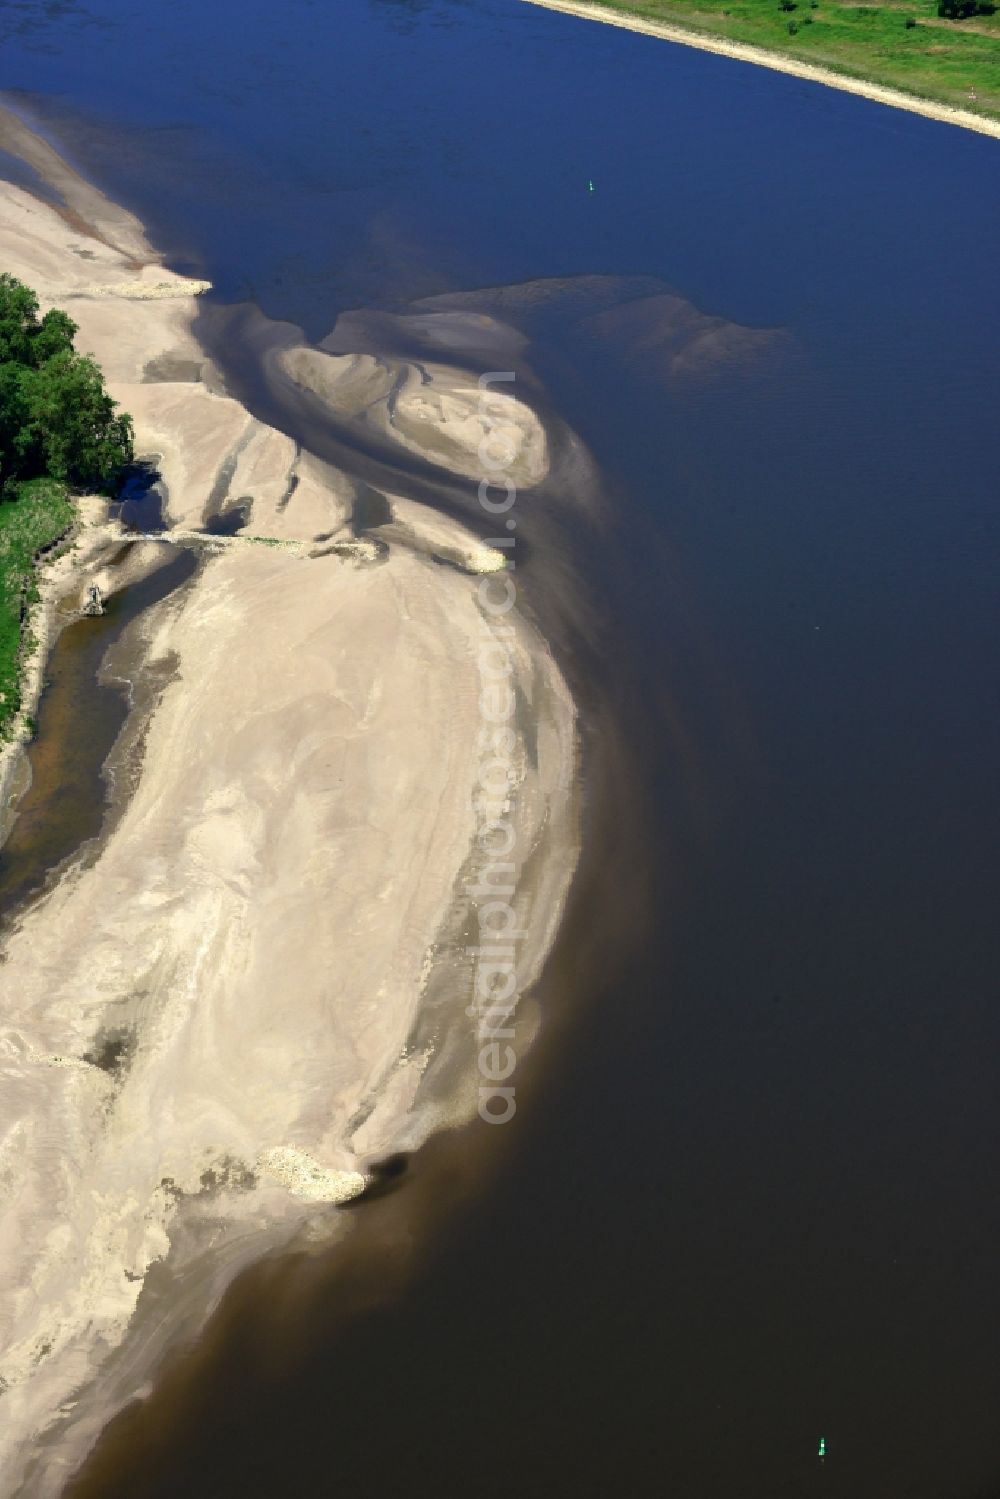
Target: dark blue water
[[754, 1202]]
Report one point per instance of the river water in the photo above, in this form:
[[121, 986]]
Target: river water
[[748, 1200]]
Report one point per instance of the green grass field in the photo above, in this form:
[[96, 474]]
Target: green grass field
[[935, 59], [39, 516]]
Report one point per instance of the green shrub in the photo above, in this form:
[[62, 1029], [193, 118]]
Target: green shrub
[[41, 514], [961, 10]]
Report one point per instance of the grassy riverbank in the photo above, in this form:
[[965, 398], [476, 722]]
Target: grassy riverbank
[[956, 63], [40, 514]]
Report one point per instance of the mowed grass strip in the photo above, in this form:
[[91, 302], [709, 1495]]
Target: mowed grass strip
[[41, 513], [950, 62]]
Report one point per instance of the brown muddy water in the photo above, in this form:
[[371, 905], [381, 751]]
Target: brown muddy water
[[80, 716]]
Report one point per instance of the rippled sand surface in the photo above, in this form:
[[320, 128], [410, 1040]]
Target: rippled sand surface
[[213, 1030]]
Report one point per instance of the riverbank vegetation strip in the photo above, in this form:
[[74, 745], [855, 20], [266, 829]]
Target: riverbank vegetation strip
[[58, 427], [912, 48], [29, 526]]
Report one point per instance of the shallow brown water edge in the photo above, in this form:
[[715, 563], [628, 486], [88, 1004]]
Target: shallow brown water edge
[[80, 716]]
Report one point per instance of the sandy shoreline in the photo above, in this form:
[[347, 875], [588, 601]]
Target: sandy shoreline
[[743, 52], [212, 1030]]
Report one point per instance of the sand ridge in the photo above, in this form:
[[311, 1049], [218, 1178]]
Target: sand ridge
[[209, 1033]]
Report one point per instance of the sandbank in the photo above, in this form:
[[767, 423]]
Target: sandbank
[[218, 1022]]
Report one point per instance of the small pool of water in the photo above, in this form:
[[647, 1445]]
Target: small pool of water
[[79, 720]]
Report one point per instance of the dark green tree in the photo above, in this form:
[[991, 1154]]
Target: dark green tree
[[961, 10], [55, 335], [15, 430], [76, 432], [18, 320], [56, 417]]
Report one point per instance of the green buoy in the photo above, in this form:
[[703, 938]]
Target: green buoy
[[822, 1447]]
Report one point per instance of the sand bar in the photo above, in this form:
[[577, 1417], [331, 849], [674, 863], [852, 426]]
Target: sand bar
[[212, 1030]]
